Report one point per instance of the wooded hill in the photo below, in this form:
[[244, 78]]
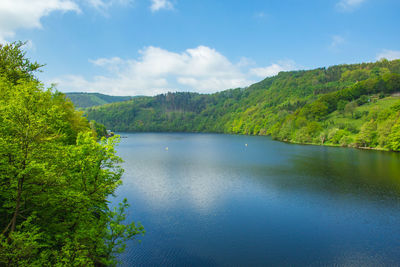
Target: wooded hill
[[348, 105], [86, 100]]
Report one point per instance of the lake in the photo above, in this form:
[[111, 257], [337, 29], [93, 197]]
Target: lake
[[212, 200]]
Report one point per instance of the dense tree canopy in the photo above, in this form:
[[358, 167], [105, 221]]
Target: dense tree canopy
[[55, 177], [323, 106], [85, 100]]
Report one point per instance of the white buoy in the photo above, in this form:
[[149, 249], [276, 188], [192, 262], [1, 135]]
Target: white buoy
[[245, 144]]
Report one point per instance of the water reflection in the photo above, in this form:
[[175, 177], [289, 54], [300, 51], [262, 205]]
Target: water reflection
[[211, 200]]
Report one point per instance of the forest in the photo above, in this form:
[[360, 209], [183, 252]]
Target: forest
[[56, 176], [355, 105], [86, 100]]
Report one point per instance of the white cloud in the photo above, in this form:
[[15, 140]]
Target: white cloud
[[273, 69], [97, 4], [244, 62], [349, 5], [337, 40], [388, 54], [201, 69], [26, 14], [103, 5], [160, 4]]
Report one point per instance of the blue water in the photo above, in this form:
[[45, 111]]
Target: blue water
[[210, 200]]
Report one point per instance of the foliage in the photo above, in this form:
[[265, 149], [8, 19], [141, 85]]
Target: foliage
[[98, 128], [85, 100], [118, 233], [55, 177], [296, 106], [394, 137], [13, 63]]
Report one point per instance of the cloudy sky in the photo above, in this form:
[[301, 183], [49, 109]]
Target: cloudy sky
[[146, 47]]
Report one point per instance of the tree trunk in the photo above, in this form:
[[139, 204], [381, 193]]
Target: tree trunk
[[18, 205]]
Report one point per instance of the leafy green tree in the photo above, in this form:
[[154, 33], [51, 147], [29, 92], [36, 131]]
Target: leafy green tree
[[362, 100], [368, 135], [394, 137], [318, 110], [341, 106], [98, 128], [118, 233], [13, 63], [350, 108], [55, 178]]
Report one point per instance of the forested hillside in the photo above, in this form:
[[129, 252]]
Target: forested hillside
[[348, 105], [85, 100], [55, 177]]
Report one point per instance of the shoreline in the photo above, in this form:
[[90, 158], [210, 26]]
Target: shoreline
[[283, 141]]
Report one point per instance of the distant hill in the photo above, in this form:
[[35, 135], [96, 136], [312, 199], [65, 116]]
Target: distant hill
[[354, 105], [86, 100]]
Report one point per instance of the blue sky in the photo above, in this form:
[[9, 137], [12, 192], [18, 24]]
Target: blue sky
[[146, 47]]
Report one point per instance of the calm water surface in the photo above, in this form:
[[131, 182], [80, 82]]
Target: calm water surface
[[210, 200]]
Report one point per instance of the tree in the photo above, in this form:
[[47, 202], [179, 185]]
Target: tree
[[118, 233], [368, 135], [341, 106], [350, 108], [318, 110], [13, 63], [55, 177], [394, 137], [362, 100]]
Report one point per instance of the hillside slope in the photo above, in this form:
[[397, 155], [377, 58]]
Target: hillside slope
[[85, 100], [349, 105]]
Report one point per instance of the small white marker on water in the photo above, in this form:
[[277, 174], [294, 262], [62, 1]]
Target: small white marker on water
[[166, 148], [245, 145]]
